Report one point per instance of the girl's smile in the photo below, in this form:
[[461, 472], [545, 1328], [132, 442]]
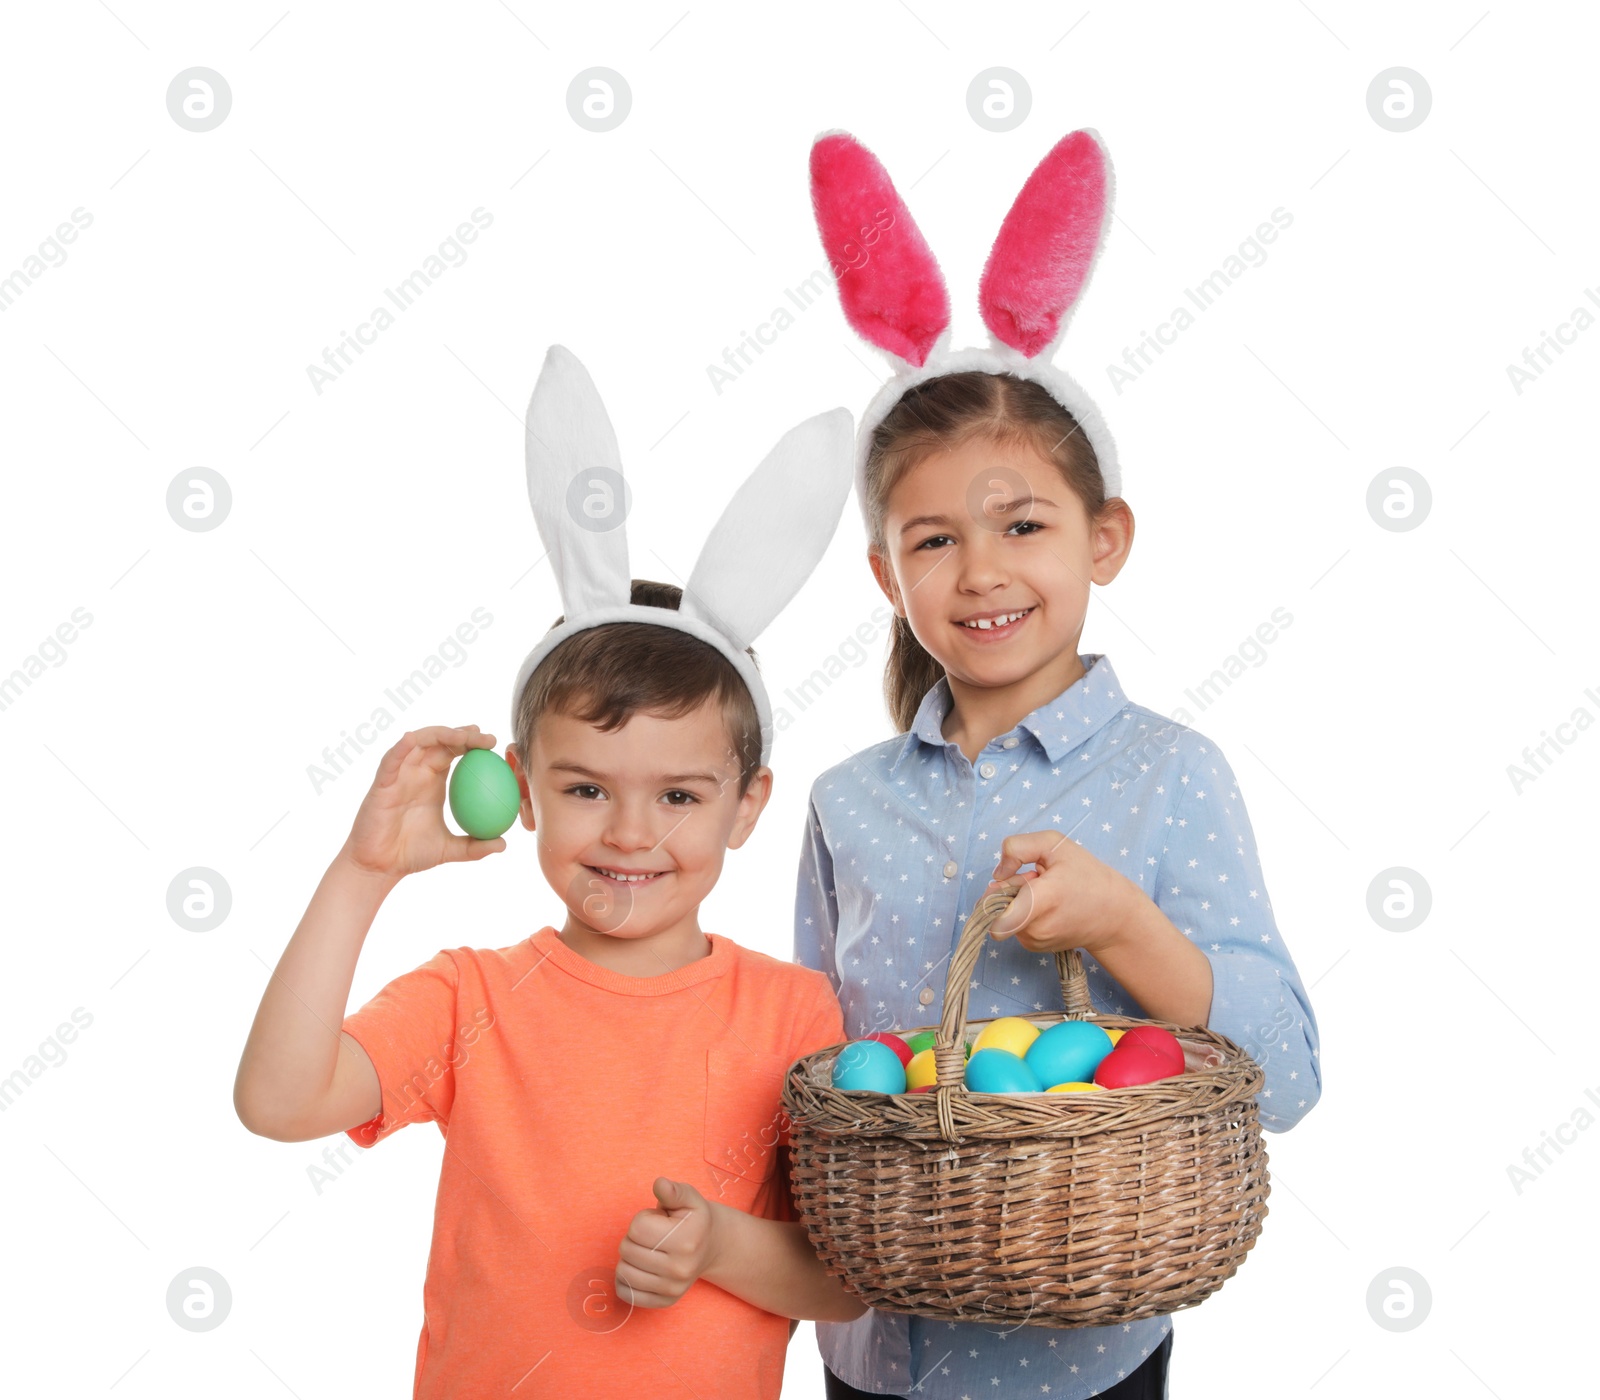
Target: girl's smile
[[991, 628]]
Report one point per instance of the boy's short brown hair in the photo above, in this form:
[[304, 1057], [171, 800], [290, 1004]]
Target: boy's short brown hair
[[604, 674]]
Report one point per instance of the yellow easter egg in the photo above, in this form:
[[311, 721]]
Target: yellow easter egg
[[1008, 1033], [919, 1069], [1075, 1089], [1115, 1035]]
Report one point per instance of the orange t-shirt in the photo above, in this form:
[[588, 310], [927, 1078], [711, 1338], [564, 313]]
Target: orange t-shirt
[[563, 1089]]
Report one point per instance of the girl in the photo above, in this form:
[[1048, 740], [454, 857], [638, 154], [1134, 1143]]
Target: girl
[[988, 517]]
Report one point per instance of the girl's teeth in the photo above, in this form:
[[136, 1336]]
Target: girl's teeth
[[615, 876], [983, 624]]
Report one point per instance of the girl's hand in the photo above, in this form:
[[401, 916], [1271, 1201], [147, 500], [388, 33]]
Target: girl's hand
[[666, 1250], [400, 828], [1070, 900]]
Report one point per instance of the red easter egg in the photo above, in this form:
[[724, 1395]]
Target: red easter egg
[[1128, 1065], [1164, 1043], [894, 1042]]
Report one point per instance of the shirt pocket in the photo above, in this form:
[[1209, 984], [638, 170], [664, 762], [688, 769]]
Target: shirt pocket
[[745, 1127]]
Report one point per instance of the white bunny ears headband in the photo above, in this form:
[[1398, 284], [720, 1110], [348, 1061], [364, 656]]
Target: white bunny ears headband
[[765, 545], [894, 294]]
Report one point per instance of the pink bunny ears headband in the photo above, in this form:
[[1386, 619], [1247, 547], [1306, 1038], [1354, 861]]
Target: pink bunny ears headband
[[765, 545], [894, 294]]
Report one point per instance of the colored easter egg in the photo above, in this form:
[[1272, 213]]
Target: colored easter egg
[[993, 1071], [894, 1042], [922, 1040], [1128, 1065], [919, 1072], [1163, 1042], [1009, 1033], [923, 1089], [1073, 1089], [483, 793], [869, 1064], [1068, 1052], [1115, 1032]]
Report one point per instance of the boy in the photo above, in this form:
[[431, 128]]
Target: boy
[[578, 1072]]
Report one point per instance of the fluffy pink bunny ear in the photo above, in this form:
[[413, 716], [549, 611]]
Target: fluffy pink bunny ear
[[1045, 248], [889, 282]]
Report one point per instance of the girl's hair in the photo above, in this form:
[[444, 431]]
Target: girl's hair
[[940, 414]]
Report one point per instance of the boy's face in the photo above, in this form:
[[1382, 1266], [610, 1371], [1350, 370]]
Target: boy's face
[[656, 800]]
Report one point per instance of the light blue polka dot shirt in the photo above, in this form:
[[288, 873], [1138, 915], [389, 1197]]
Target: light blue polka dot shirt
[[900, 842]]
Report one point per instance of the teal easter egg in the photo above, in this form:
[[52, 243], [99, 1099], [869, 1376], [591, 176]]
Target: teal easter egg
[[900, 1048], [483, 794], [1068, 1053], [869, 1064], [1000, 1072]]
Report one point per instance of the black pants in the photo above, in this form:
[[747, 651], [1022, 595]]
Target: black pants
[[1148, 1382]]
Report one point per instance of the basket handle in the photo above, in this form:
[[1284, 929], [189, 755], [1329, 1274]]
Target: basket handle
[[949, 1053]]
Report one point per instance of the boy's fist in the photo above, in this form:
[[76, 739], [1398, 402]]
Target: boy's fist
[[666, 1250]]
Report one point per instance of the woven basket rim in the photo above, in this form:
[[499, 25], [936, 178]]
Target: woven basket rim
[[953, 1111]]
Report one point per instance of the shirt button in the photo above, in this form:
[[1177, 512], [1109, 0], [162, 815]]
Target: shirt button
[[949, 869], [1010, 743], [986, 770], [925, 996]]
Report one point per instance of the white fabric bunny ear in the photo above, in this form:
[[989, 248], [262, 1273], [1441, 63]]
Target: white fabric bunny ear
[[774, 530], [575, 485], [763, 548], [893, 293]]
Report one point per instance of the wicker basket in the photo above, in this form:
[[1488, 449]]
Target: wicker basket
[[1058, 1210]]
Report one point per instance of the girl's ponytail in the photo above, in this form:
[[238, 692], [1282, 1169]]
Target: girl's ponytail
[[909, 675]]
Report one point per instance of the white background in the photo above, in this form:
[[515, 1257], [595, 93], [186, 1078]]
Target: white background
[[369, 520]]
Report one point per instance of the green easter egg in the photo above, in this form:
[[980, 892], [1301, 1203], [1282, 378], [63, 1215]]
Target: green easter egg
[[923, 1040], [483, 794]]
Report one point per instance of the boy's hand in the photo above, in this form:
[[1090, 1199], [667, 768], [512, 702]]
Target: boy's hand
[[666, 1250], [1070, 900], [400, 828]]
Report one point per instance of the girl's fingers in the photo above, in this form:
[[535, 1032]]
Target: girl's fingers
[[1028, 848], [1017, 913], [1012, 882]]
